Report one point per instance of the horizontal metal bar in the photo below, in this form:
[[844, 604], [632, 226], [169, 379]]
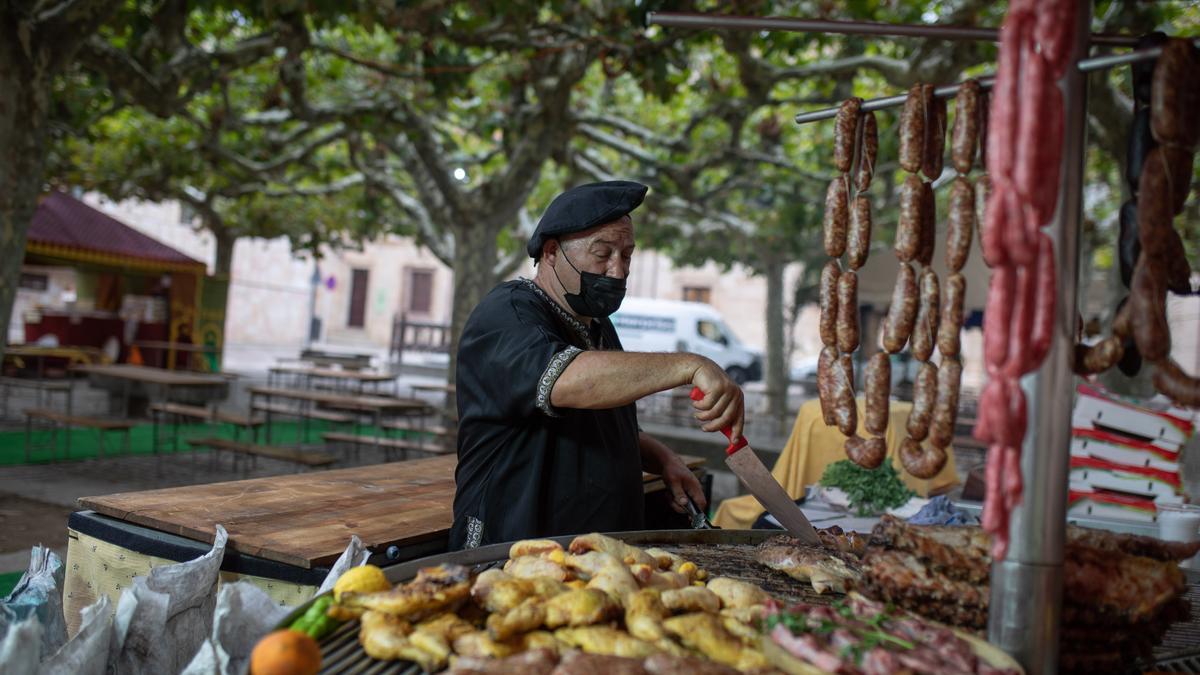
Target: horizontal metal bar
[[779, 23], [946, 91], [1113, 60]]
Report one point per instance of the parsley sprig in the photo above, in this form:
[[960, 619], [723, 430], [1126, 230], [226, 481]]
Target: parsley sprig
[[871, 491]]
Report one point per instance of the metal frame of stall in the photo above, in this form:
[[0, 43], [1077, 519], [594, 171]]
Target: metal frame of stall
[[1026, 587]]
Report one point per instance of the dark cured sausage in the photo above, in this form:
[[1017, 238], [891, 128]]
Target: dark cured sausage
[[1175, 95], [966, 127], [866, 452], [960, 225], [908, 231], [951, 319], [858, 244], [868, 150], [1128, 246], [1143, 71], [1139, 145], [1177, 385], [925, 331], [921, 462], [877, 383], [845, 130], [1097, 358], [1148, 313], [924, 396], [912, 130], [903, 312], [945, 409], [845, 410], [837, 216], [827, 294], [928, 225], [934, 153], [825, 365], [847, 314]]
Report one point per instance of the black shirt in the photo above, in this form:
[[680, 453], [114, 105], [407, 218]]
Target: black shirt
[[525, 468]]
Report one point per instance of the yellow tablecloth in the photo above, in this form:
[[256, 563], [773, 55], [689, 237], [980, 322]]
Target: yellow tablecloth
[[813, 446]]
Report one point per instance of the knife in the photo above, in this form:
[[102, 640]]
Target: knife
[[749, 468]]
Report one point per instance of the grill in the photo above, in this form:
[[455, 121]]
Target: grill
[[723, 553]]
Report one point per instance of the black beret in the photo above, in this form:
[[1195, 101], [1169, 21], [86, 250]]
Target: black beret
[[583, 207]]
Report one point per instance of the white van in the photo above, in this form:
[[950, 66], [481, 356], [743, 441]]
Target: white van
[[649, 325]]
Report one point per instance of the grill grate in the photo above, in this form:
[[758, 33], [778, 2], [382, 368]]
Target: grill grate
[[1183, 639]]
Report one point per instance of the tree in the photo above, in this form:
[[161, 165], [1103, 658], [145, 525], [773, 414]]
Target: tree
[[38, 41]]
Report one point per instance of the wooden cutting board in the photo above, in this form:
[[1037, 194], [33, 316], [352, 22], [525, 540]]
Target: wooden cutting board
[[306, 519]]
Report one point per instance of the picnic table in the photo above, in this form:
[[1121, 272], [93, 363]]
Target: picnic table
[[34, 357], [132, 387], [304, 375], [377, 407], [165, 352]]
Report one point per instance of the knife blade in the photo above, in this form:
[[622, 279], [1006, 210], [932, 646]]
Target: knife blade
[[740, 458]]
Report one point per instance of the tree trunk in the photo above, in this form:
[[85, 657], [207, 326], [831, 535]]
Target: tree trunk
[[776, 369], [474, 259], [24, 106], [225, 243]]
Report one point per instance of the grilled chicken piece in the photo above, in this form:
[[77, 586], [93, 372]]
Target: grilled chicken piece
[[532, 567], [605, 640], [387, 638], [734, 593], [433, 589], [605, 572], [652, 578], [691, 599], [615, 547], [481, 590], [824, 569], [707, 634], [479, 644], [580, 607], [644, 614], [535, 547], [667, 560], [523, 618], [532, 662]]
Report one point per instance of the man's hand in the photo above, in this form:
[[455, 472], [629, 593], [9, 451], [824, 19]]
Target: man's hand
[[723, 405], [683, 484]]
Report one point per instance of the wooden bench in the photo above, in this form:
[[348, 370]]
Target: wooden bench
[[315, 413], [309, 458], [431, 429], [66, 421], [386, 444], [45, 389], [204, 414]]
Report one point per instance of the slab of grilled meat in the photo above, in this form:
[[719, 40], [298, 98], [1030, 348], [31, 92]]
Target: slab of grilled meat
[[825, 569], [1133, 544]]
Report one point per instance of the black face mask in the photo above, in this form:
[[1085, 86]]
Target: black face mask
[[598, 296]]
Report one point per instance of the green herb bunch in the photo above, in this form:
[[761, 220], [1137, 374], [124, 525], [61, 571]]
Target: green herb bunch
[[871, 491]]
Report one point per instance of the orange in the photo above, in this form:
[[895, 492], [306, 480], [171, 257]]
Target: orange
[[285, 652]]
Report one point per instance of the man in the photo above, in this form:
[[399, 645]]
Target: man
[[548, 439]]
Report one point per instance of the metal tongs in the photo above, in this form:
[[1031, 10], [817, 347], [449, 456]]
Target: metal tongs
[[699, 518]]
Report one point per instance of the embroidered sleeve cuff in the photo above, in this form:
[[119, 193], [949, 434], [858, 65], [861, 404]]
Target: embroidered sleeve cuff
[[557, 365]]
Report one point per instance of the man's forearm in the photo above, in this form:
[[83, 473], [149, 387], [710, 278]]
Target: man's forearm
[[599, 379]]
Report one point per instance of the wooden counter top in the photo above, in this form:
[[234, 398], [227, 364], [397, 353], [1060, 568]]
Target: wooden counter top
[[307, 519]]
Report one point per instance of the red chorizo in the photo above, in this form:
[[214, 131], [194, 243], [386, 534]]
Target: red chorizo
[[960, 225], [1005, 97], [993, 501], [1013, 480], [837, 206], [1171, 381], [1054, 35], [951, 320], [878, 386], [847, 317], [1175, 95], [945, 408], [935, 134], [825, 385], [866, 452], [902, 313], [924, 397], [845, 409], [966, 127], [868, 150], [912, 130], [908, 231], [858, 245], [1039, 145], [828, 297], [1019, 360], [1042, 331], [845, 131], [996, 218], [928, 225], [997, 316], [1148, 312], [925, 331]]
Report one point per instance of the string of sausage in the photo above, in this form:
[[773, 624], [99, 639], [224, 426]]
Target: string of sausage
[[1163, 188], [847, 230], [1024, 152]]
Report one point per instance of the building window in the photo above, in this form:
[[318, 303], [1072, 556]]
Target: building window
[[420, 291], [697, 294], [33, 282], [358, 299]]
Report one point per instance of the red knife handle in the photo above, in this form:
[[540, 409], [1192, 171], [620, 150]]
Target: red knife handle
[[697, 395]]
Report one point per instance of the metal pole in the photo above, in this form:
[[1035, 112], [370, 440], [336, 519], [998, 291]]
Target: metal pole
[[779, 23], [946, 91], [1026, 588]]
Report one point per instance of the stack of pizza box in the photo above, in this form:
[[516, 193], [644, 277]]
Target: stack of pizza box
[[1125, 456]]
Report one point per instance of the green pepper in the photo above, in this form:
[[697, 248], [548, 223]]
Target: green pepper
[[315, 622]]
